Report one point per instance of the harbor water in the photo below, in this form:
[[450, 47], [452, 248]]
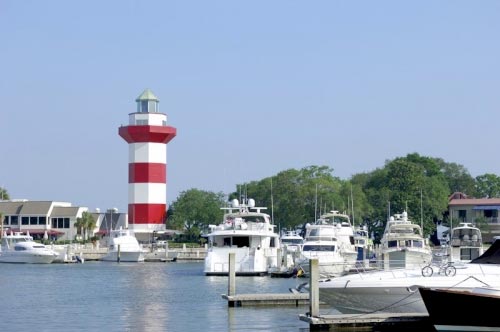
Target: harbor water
[[104, 296]]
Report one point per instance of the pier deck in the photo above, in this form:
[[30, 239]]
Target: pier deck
[[342, 322], [267, 299]]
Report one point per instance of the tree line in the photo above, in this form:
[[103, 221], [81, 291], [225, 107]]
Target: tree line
[[417, 184]]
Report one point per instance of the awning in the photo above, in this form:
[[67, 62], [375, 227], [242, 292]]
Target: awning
[[37, 231], [486, 207]]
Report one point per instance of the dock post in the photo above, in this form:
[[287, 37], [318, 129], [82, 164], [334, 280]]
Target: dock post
[[313, 288], [118, 254], [232, 274], [278, 259]]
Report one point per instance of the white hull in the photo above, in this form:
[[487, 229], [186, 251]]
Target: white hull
[[27, 257], [330, 264], [248, 261], [407, 259], [397, 290], [125, 256]]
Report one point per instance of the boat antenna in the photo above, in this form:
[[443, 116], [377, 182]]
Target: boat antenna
[[316, 204], [272, 202], [421, 212]]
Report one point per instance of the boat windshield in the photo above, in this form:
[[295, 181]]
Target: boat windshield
[[292, 241], [318, 248]]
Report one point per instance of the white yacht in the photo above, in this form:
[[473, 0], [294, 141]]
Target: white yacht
[[123, 247], [19, 248], [331, 241], [403, 245], [363, 243], [292, 241], [396, 290], [466, 243], [246, 231]]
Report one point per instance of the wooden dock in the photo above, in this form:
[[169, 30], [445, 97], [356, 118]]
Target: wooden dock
[[267, 299], [368, 322]]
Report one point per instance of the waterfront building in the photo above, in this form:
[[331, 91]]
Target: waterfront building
[[484, 212], [147, 135], [54, 221]]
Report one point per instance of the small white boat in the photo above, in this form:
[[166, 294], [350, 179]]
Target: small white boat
[[123, 247], [292, 241], [19, 248]]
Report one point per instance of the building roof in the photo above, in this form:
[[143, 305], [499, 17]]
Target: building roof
[[147, 95], [60, 211], [474, 201], [33, 207], [25, 207], [10, 208]]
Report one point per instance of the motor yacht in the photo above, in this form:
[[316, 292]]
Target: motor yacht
[[291, 241], [396, 290], [330, 240], [403, 245], [247, 232], [123, 247], [466, 243], [20, 248]]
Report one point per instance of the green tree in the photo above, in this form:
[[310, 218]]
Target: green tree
[[4, 195], [194, 210], [295, 197], [488, 185], [85, 224]]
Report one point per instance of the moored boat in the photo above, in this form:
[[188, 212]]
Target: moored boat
[[123, 247], [396, 290], [20, 248], [247, 232], [403, 245], [462, 310]]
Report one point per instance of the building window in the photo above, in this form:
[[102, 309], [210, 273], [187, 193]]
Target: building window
[[14, 220], [490, 213], [42, 220], [60, 222], [462, 214], [25, 220], [33, 220]]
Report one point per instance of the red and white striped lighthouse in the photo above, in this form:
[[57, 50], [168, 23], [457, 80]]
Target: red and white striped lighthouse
[[147, 135]]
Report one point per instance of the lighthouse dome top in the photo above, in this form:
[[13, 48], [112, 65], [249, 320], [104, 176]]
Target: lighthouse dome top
[[147, 102]]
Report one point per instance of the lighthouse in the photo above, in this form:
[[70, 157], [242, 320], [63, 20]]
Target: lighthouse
[[147, 136]]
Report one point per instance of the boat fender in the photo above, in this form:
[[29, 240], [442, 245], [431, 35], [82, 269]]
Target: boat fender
[[410, 290]]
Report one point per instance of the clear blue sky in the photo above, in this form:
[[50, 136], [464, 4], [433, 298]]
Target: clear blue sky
[[253, 88]]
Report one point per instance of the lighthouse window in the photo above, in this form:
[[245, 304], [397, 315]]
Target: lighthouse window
[[144, 106]]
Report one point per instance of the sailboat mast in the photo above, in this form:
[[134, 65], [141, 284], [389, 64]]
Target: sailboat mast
[[316, 203], [272, 203], [352, 205]]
